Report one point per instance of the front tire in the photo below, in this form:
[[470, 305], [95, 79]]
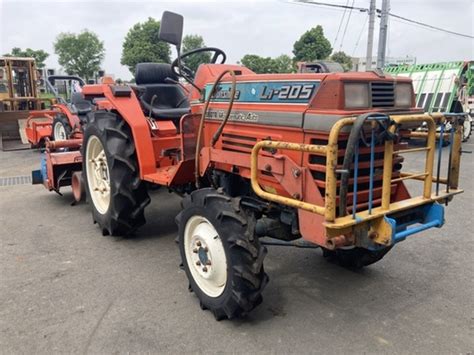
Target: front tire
[[222, 258], [113, 186], [61, 128]]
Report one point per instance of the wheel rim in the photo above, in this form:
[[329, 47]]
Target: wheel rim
[[205, 256], [98, 177], [59, 132], [466, 129]]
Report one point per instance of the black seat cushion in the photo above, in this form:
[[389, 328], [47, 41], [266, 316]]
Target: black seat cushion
[[80, 105], [164, 101], [161, 99]]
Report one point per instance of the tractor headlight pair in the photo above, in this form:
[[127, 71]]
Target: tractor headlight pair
[[357, 95]]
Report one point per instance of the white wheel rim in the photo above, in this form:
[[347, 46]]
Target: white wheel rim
[[205, 256], [467, 128], [59, 132], [98, 177]]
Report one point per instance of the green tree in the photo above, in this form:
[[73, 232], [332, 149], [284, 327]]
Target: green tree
[[39, 55], [266, 65], [80, 54], [142, 45], [191, 42], [283, 64], [343, 59], [260, 65], [312, 45]]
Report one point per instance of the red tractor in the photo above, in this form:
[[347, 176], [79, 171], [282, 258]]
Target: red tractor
[[65, 118], [294, 157]]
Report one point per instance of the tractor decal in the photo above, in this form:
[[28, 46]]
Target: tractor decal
[[297, 92], [272, 118]]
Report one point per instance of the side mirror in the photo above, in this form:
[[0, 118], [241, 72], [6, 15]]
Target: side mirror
[[171, 28]]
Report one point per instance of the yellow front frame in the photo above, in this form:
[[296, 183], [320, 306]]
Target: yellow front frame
[[338, 226]]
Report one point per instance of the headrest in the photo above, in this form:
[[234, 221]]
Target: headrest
[[153, 73]]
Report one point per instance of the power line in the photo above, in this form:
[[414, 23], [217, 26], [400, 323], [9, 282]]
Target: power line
[[347, 25], [360, 36], [301, 3], [362, 9], [430, 26], [340, 24]]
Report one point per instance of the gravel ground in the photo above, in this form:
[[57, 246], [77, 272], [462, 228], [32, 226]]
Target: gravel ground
[[66, 289]]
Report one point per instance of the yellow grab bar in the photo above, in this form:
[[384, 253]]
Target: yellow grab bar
[[309, 148]]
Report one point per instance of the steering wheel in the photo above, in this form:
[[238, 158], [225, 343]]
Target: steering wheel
[[187, 73]]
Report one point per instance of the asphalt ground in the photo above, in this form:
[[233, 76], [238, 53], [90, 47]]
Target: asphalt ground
[[64, 288]]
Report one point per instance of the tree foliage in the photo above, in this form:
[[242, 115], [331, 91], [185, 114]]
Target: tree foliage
[[283, 64], [259, 65], [342, 58], [265, 65], [312, 45], [80, 54], [39, 55], [142, 45], [191, 42]]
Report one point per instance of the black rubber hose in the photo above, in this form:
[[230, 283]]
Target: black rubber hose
[[352, 142], [203, 118]]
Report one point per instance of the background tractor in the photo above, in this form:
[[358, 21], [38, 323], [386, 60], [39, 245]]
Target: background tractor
[[298, 158], [65, 118]]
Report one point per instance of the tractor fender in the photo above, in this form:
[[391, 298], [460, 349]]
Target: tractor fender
[[128, 107]]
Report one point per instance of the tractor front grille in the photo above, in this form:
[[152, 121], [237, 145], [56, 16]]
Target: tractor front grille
[[383, 94], [317, 166]]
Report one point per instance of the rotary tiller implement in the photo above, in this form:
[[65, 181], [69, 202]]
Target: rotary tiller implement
[[61, 165], [305, 159], [60, 131]]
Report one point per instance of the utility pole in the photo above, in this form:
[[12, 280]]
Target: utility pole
[[383, 34], [370, 38]]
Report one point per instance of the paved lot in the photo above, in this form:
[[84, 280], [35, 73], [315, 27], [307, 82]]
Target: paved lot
[[66, 289]]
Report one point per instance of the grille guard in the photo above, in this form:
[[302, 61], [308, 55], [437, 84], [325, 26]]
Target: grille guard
[[375, 227]]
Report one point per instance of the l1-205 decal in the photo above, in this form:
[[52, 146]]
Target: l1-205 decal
[[270, 92]]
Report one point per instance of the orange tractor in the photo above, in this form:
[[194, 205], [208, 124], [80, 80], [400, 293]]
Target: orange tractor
[[65, 117], [313, 158]]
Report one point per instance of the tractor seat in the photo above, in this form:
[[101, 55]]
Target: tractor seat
[[160, 99], [79, 105]]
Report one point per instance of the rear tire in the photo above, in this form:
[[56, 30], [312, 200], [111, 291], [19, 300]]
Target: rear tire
[[222, 257], [355, 258], [108, 142], [61, 128]]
